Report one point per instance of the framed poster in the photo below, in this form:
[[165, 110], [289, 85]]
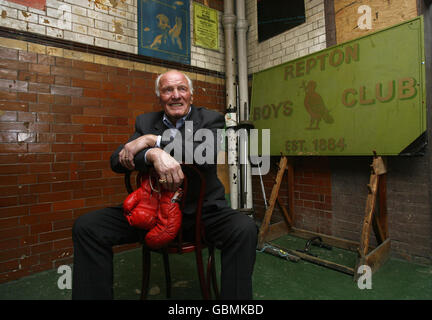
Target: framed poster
[[164, 30], [206, 27]]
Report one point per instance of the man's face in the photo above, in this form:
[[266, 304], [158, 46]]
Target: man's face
[[175, 95]]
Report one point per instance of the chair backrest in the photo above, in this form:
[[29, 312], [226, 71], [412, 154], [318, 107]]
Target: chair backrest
[[194, 186]]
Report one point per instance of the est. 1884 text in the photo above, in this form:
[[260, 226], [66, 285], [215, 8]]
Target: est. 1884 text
[[316, 145]]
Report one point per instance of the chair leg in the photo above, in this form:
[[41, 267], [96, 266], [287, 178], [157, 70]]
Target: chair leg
[[211, 274], [167, 274], [146, 259], [203, 282]]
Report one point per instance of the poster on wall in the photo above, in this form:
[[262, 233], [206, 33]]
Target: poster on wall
[[206, 27], [37, 4], [355, 98], [164, 30]]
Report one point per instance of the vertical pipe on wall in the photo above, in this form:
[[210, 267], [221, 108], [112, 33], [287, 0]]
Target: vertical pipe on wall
[[228, 21], [246, 181]]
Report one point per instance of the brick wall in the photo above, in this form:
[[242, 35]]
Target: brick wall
[[312, 194], [103, 23], [62, 114], [304, 39]]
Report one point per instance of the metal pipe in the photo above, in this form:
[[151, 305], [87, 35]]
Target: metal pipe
[[246, 181], [228, 21]]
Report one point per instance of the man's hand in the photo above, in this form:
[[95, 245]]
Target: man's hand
[[127, 154], [167, 167]]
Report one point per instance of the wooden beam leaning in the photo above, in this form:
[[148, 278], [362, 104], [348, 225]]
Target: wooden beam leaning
[[273, 198], [378, 220], [370, 208]]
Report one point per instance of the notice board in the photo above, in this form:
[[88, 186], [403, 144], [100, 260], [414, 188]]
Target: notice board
[[206, 27], [361, 96]]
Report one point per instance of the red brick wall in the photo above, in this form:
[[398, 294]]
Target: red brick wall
[[60, 119], [312, 194]]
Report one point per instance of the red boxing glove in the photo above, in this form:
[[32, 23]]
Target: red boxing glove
[[141, 206], [169, 219]]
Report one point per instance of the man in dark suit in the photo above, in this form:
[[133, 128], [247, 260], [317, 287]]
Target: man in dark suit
[[234, 233]]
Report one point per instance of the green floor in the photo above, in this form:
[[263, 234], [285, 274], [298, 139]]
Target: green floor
[[274, 279]]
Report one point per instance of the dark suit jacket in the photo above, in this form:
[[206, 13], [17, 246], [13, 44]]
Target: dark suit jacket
[[151, 123]]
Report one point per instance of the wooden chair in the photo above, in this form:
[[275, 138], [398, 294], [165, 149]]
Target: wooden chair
[[179, 245]]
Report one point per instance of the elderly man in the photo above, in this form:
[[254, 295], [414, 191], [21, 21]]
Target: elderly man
[[234, 233]]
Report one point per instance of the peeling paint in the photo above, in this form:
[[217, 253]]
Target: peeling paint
[[114, 3], [25, 14], [102, 4], [99, 4], [118, 27], [46, 21], [4, 14]]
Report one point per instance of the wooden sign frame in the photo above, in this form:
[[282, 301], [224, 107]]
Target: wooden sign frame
[[374, 219]]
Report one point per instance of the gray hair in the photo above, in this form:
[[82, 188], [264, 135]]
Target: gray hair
[[160, 76]]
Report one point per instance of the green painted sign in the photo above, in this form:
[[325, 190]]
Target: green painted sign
[[351, 99]]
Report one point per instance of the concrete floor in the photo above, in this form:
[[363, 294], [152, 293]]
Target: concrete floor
[[274, 279]]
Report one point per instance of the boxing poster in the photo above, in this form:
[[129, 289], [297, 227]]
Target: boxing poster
[[164, 29]]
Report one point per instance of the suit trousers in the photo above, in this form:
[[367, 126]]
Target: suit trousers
[[95, 233]]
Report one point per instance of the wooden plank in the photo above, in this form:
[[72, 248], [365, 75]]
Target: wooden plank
[[318, 261], [276, 230], [330, 240], [370, 208], [376, 258], [267, 216], [383, 14], [378, 170], [379, 166]]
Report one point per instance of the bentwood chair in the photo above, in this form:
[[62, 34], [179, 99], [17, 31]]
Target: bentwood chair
[[181, 244]]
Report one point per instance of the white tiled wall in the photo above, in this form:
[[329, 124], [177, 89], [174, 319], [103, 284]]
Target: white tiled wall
[[99, 23], [103, 23], [304, 39]]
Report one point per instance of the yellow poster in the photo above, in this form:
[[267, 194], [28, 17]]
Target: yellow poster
[[206, 25]]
